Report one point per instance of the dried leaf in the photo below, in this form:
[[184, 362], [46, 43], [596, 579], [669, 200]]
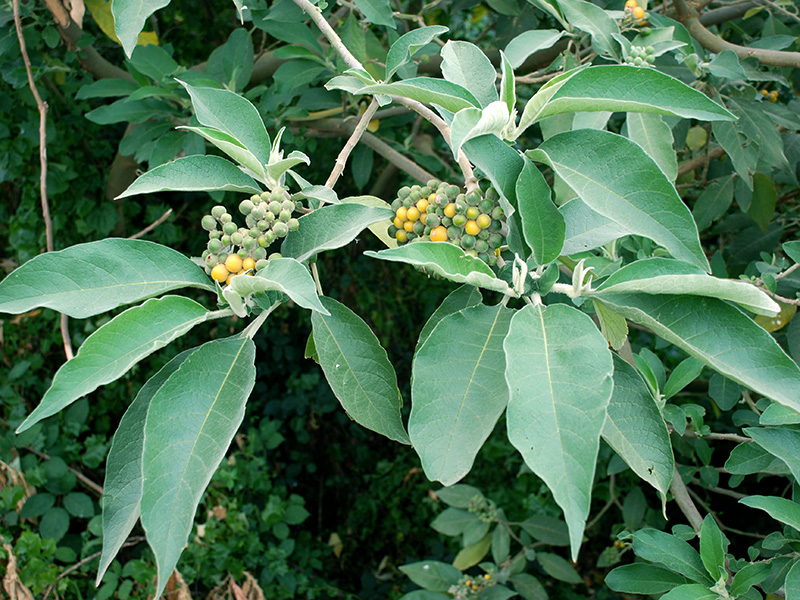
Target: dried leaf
[[176, 588], [11, 582]]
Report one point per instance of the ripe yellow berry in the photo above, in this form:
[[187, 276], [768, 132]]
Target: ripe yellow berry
[[398, 222], [773, 96], [422, 205], [484, 221], [233, 263], [231, 276], [219, 273], [450, 210], [631, 4], [402, 213], [472, 228], [408, 226], [765, 92], [638, 12], [413, 214], [423, 217], [439, 234], [248, 263], [432, 197], [374, 125], [401, 236]]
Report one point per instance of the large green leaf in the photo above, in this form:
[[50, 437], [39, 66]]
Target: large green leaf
[[191, 421], [542, 224], [641, 578], [780, 509], [781, 442], [655, 137], [122, 490], [617, 179], [720, 336], [230, 146], [129, 19], [88, 279], [465, 64], [635, 429], [232, 114], [672, 552], [458, 390], [196, 173], [409, 44], [463, 297], [529, 42], [330, 227], [713, 548], [469, 123], [446, 94], [666, 276], [586, 229], [284, 275], [358, 370], [446, 260], [113, 349], [595, 21], [558, 369]]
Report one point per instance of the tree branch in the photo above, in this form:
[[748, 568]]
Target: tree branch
[[684, 501], [316, 15], [358, 131]]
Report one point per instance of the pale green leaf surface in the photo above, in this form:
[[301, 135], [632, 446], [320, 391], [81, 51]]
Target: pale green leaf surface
[[330, 227], [432, 575], [713, 547], [463, 297], [529, 42], [358, 370], [534, 107], [586, 229], [279, 167], [230, 146], [614, 327], [595, 21], [459, 495], [88, 279], [720, 336], [781, 442], [446, 94], [642, 578], [635, 429], [466, 65], [748, 458], [792, 582], [670, 551], [690, 591], [687, 371], [409, 44], [380, 229], [550, 530], [446, 260], [655, 137], [473, 554], [778, 414], [122, 490], [458, 390], [508, 87], [542, 224], [617, 179], [377, 11], [780, 509], [558, 369], [113, 349], [196, 173], [665, 276], [190, 423], [129, 19], [470, 123]]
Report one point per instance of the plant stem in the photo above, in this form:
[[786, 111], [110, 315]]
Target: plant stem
[[341, 160], [684, 501], [251, 330], [152, 225], [316, 15]]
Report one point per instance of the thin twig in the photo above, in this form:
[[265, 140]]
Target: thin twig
[[699, 160], [341, 160], [729, 437], [612, 500], [65, 337], [684, 501], [316, 15], [719, 490], [97, 489], [152, 225]]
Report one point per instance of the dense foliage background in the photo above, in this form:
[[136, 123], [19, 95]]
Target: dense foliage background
[[308, 503]]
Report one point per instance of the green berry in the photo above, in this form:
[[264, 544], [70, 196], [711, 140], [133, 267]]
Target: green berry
[[246, 206], [491, 194], [432, 183], [276, 196], [275, 255], [280, 229], [460, 206], [497, 213], [486, 206], [453, 232], [419, 228], [249, 242], [262, 225], [293, 224], [254, 232], [415, 197], [209, 223], [269, 217], [264, 195], [215, 246], [474, 197], [407, 202], [496, 226], [237, 239], [425, 191], [447, 221], [214, 235], [396, 203], [472, 212], [275, 207], [452, 191], [403, 192], [225, 218], [217, 211], [481, 246], [392, 230], [284, 216], [432, 220], [412, 236], [288, 205], [229, 228], [467, 242], [226, 240], [495, 241], [243, 253], [650, 60], [259, 253], [459, 220]]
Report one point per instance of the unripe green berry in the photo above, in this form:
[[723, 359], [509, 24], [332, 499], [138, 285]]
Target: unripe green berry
[[269, 217], [264, 195], [215, 246], [276, 196], [209, 223], [392, 231], [205, 253], [261, 263], [226, 240], [280, 229], [396, 203], [497, 213], [288, 205], [249, 243], [419, 228], [259, 253], [650, 60], [459, 220], [432, 184], [275, 255], [217, 211], [491, 194], [486, 206], [225, 218], [246, 206], [447, 221], [496, 226], [262, 225], [237, 239], [412, 236], [284, 216], [481, 246], [495, 241], [425, 191], [432, 220], [214, 235], [408, 202], [453, 232], [275, 207], [403, 192], [230, 228], [293, 224], [474, 197], [452, 191], [467, 242], [243, 253]]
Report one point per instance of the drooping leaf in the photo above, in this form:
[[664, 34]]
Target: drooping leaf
[[594, 20], [672, 552], [586, 229], [614, 327], [122, 490], [641, 578], [665, 276], [358, 370], [446, 260], [508, 86], [780, 509], [465, 64], [330, 227], [129, 19], [558, 369], [617, 179], [88, 279], [196, 173], [635, 429], [112, 350], [207, 396], [542, 224], [446, 94], [473, 554], [409, 44], [458, 390], [720, 336]]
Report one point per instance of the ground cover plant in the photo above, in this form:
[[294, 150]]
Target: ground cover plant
[[605, 334]]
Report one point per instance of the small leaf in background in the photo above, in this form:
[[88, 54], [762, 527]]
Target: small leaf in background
[[473, 554], [89, 279], [501, 543], [528, 587], [129, 19], [409, 44], [459, 495], [530, 42], [714, 202], [558, 567], [641, 578], [358, 370], [765, 197], [377, 11], [432, 575]]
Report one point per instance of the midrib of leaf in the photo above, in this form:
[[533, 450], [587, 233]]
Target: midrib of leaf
[[469, 383]]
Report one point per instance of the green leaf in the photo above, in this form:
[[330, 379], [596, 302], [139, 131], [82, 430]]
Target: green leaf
[[617, 179], [586, 229], [530, 42], [735, 146], [713, 202], [446, 260], [777, 414], [780, 509], [765, 197], [377, 11], [792, 582], [748, 458], [232, 114], [425, 595], [380, 228], [465, 64], [546, 529], [284, 275], [470, 123], [459, 495], [153, 61], [432, 575], [713, 546], [112, 350], [196, 173], [720, 336], [690, 591], [458, 390], [781, 442], [528, 586], [54, 524], [106, 88], [542, 224], [558, 369], [672, 552], [207, 396], [230, 146], [453, 521], [446, 94], [473, 554], [792, 250], [79, 505], [463, 297], [122, 490], [558, 567], [751, 575], [641, 578], [686, 372], [508, 89], [665, 276], [409, 44], [655, 137], [129, 19], [232, 63], [330, 227], [614, 327], [501, 544], [758, 127], [635, 429], [358, 370], [594, 20], [88, 279]]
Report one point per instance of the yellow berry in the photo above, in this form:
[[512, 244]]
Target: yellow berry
[[472, 228], [422, 205], [231, 276], [402, 213], [219, 273], [487, 577], [408, 226], [248, 264], [484, 221], [638, 12], [413, 214], [398, 222], [423, 217], [439, 234], [631, 4], [773, 96], [432, 197], [401, 236], [374, 125], [450, 210], [233, 263], [765, 92]]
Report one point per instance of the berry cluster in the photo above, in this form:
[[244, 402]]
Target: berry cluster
[[635, 13], [771, 96], [232, 249], [641, 55], [441, 212], [470, 587]]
